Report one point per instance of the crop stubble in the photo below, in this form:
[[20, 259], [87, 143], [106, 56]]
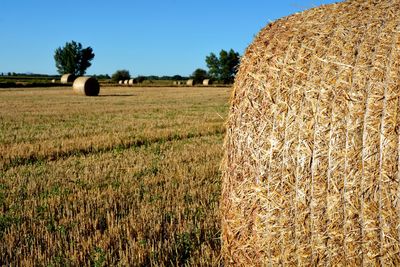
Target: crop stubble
[[130, 177]]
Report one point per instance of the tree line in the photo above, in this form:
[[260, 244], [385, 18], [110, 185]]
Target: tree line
[[75, 59]]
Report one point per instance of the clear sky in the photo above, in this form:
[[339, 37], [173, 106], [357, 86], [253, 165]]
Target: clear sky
[[146, 37]]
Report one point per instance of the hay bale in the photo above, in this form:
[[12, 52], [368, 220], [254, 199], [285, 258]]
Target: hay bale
[[311, 170], [126, 82], [67, 78], [206, 82], [53, 81], [120, 82], [190, 82], [88, 86], [131, 81]]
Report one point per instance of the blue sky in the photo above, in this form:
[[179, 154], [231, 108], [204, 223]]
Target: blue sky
[[146, 37]]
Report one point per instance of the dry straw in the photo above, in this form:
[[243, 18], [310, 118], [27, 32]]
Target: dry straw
[[67, 78], [88, 86], [190, 82], [131, 81], [206, 82], [311, 171]]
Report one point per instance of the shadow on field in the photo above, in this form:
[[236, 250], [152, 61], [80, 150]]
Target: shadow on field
[[116, 95]]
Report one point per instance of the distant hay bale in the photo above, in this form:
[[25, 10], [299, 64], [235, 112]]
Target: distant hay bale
[[120, 82], [175, 83], [311, 167], [126, 82], [53, 81], [190, 82], [206, 82], [67, 78], [131, 81], [88, 86]]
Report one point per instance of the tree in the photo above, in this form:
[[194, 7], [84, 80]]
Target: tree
[[141, 79], [199, 75], [224, 68], [121, 75], [102, 76], [213, 66], [177, 77], [72, 58]]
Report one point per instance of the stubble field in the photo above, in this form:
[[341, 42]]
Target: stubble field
[[127, 178]]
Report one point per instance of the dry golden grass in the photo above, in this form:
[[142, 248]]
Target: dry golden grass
[[127, 178]]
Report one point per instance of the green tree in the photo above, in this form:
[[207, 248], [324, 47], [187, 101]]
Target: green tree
[[102, 76], [213, 66], [121, 75], [141, 79], [224, 67], [199, 75], [177, 77], [72, 58]]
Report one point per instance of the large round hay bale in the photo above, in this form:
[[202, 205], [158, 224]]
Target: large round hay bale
[[88, 86], [120, 82], [131, 81], [311, 171], [67, 78], [126, 82], [190, 82], [206, 82]]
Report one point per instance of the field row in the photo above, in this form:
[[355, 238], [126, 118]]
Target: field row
[[123, 179], [54, 123]]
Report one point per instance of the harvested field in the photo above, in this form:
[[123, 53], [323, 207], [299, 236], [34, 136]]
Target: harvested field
[[131, 176]]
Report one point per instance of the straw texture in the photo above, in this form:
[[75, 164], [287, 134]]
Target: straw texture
[[88, 86], [311, 169], [67, 78], [190, 82]]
